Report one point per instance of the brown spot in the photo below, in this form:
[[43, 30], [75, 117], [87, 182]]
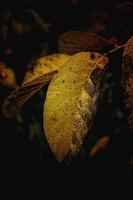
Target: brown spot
[[92, 56], [74, 138]]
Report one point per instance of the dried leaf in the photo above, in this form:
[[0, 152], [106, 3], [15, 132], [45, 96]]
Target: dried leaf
[[21, 94], [87, 105], [77, 41], [127, 65], [62, 100], [42, 73]]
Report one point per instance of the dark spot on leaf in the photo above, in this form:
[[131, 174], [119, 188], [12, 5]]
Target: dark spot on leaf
[[74, 139], [80, 103], [92, 56]]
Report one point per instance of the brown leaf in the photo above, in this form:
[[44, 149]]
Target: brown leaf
[[78, 41], [21, 94]]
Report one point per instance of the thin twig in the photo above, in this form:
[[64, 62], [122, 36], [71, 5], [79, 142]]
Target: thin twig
[[115, 49], [109, 52]]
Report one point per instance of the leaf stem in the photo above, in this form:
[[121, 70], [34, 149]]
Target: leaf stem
[[115, 49]]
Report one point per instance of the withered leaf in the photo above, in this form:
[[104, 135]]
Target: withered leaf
[[21, 94], [62, 100], [87, 105], [73, 42]]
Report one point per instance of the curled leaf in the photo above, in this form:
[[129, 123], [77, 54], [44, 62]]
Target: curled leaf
[[73, 42], [62, 100]]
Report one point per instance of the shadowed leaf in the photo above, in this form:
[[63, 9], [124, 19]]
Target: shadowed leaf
[[78, 41], [21, 94], [87, 105]]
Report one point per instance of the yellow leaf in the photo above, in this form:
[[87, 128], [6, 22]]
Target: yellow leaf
[[43, 72], [45, 65], [62, 100]]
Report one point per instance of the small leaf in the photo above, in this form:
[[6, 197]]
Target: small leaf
[[73, 42]]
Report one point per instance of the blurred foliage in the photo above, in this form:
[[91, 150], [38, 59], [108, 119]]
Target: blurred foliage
[[29, 29]]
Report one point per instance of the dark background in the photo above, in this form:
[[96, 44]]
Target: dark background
[[29, 169]]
